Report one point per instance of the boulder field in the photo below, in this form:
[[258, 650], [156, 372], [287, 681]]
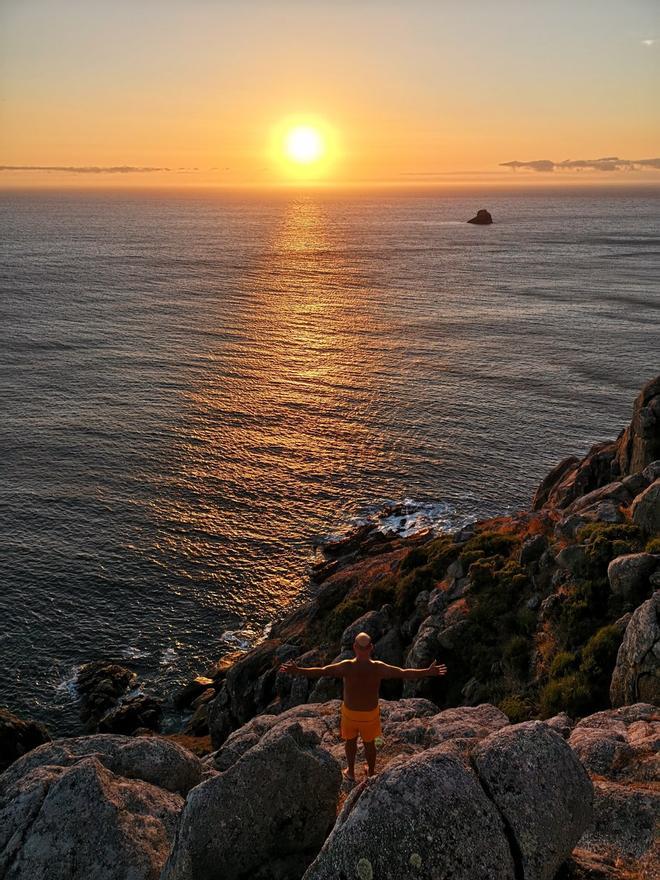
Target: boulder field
[[459, 793]]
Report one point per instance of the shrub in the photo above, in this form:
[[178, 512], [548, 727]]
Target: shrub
[[409, 588], [342, 616], [653, 545], [441, 553], [516, 655], [598, 661], [562, 664], [416, 558], [569, 694], [516, 709], [604, 542], [585, 608], [381, 593]]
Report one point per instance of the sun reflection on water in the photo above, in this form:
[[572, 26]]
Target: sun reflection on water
[[286, 412]]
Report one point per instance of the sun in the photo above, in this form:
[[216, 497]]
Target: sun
[[304, 144], [304, 148]]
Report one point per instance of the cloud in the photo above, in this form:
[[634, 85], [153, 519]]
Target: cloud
[[606, 163], [85, 169], [649, 42]]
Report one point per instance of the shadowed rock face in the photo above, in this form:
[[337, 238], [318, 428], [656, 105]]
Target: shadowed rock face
[[606, 463], [18, 737], [101, 807], [266, 816], [640, 443], [636, 676], [541, 790], [426, 817]]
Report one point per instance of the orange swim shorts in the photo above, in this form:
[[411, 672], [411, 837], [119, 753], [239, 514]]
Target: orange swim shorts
[[366, 724]]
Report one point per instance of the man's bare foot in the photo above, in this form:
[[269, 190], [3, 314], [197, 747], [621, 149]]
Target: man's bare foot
[[348, 776], [366, 771]]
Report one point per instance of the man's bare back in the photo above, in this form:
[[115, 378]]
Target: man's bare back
[[362, 677]]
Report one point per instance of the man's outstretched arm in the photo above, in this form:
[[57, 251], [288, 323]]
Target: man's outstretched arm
[[435, 669], [333, 670]]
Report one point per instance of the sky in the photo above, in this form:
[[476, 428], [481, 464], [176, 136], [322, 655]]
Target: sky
[[197, 92]]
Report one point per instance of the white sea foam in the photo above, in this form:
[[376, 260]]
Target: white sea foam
[[132, 653], [410, 517]]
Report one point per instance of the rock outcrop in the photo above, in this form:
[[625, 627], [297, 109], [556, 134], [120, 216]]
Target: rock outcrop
[[100, 684], [620, 749], [640, 443], [133, 713], [101, 806], [629, 576], [482, 218], [645, 509], [620, 461], [18, 737], [266, 816], [636, 676], [425, 817], [541, 790]]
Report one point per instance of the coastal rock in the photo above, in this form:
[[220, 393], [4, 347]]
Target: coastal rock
[[409, 726], [541, 790], [625, 826], [100, 684], [426, 817], [191, 691], [577, 479], [375, 623], [466, 723], [640, 443], [132, 713], [615, 492], [645, 510], [636, 675], [621, 744], [553, 479], [152, 759], [629, 575], [82, 822], [100, 806], [482, 218], [322, 719], [636, 449], [621, 749], [562, 724], [266, 816], [18, 737]]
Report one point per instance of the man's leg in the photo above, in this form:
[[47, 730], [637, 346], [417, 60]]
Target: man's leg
[[351, 751], [370, 754]]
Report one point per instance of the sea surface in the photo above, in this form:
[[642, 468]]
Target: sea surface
[[197, 387]]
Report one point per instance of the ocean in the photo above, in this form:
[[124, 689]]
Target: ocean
[[196, 387]]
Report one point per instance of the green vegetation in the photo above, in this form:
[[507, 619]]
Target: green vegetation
[[604, 542], [516, 709], [496, 644], [579, 683], [653, 545]]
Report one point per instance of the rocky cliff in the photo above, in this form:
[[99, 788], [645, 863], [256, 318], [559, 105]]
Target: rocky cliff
[[544, 617]]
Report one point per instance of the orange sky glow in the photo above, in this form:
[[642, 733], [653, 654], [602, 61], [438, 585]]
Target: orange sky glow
[[211, 94]]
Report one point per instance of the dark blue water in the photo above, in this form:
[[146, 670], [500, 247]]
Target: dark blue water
[[195, 387]]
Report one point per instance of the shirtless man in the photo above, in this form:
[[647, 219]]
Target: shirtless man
[[360, 712]]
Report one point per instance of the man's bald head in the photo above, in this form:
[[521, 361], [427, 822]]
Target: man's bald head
[[362, 643]]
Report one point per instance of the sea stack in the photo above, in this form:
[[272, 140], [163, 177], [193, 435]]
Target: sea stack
[[483, 218]]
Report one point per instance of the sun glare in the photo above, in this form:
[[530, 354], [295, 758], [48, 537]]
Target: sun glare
[[304, 148], [304, 144]]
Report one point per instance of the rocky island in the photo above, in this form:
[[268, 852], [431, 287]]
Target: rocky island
[[536, 758]]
